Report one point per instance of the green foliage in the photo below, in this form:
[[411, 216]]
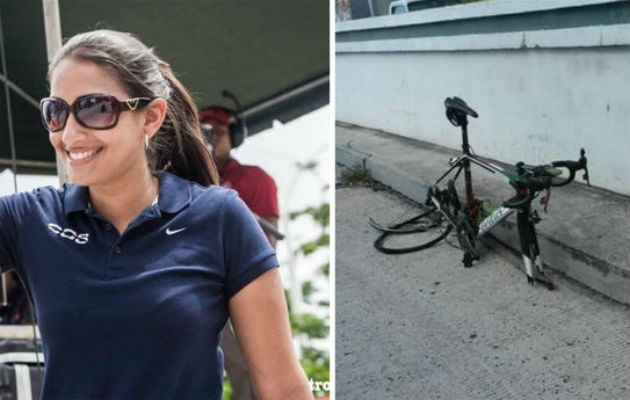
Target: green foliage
[[309, 166], [310, 325], [307, 290], [354, 175], [227, 389], [287, 296], [320, 214], [312, 246], [316, 365], [325, 269]]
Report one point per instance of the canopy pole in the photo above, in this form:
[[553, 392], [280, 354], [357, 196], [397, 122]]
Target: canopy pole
[[52, 27], [9, 113], [21, 92], [5, 297]]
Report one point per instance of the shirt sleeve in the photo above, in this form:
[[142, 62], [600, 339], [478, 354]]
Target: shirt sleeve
[[7, 233], [246, 250], [265, 196]]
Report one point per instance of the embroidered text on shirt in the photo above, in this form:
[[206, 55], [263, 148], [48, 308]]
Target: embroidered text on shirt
[[67, 233]]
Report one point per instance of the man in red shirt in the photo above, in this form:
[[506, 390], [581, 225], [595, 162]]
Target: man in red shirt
[[258, 191], [253, 185]]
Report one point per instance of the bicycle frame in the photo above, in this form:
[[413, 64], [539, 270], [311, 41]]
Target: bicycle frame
[[525, 221], [499, 214], [528, 181]]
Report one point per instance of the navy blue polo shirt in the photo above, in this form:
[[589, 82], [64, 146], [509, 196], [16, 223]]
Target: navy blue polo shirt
[[136, 315]]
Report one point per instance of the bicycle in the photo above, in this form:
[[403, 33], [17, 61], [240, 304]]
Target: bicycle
[[470, 220]]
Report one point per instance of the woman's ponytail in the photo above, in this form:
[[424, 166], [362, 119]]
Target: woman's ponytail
[[179, 146]]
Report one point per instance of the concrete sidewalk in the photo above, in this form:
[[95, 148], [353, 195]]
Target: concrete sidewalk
[[420, 326], [585, 235]]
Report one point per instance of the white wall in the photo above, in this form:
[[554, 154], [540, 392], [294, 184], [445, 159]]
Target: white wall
[[26, 183], [541, 95]]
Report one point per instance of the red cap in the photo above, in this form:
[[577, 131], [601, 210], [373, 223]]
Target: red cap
[[216, 114]]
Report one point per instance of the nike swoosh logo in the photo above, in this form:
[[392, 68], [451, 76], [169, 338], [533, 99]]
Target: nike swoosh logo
[[170, 232]]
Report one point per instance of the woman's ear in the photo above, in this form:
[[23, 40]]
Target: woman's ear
[[154, 116]]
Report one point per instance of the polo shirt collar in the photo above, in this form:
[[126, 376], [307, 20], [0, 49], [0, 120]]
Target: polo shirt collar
[[174, 194], [75, 198]]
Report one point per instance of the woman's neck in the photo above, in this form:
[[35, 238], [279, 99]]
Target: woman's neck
[[121, 201]]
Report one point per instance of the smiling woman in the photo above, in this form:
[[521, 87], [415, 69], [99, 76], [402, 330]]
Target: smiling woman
[[139, 263], [99, 145]]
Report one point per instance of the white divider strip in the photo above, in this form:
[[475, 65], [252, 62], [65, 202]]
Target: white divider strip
[[23, 382], [20, 357], [19, 331]]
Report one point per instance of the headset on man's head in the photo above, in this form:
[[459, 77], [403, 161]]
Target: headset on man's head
[[236, 125]]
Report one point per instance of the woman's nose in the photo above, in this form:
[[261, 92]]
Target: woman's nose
[[72, 132]]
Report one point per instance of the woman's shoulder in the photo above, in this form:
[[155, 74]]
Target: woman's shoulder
[[220, 201], [47, 195], [213, 195], [177, 193], [42, 203]]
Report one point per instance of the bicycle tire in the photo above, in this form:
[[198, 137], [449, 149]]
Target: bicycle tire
[[379, 243], [396, 228]]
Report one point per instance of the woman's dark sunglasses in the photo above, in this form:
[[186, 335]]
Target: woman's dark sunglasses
[[93, 111]]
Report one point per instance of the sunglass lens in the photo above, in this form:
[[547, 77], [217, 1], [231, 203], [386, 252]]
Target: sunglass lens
[[96, 111], [54, 114]]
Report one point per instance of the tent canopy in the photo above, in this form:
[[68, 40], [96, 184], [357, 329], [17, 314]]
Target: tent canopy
[[273, 55]]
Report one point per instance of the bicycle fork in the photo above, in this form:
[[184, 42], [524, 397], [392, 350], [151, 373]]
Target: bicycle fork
[[530, 250]]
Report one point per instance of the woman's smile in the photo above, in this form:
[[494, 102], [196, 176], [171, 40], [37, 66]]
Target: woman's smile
[[81, 156]]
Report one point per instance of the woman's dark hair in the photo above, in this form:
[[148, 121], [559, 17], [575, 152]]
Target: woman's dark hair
[[179, 146]]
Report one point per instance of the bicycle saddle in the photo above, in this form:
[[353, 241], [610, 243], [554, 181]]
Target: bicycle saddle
[[457, 110]]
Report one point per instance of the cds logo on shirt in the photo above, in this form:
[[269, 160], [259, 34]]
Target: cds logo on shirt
[[67, 233]]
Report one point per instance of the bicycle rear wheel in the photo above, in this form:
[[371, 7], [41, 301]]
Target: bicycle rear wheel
[[445, 207]]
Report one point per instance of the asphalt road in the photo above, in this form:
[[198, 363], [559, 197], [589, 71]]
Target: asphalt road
[[420, 326]]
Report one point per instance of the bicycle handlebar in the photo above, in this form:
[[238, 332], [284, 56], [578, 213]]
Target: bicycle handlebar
[[573, 167], [534, 179]]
